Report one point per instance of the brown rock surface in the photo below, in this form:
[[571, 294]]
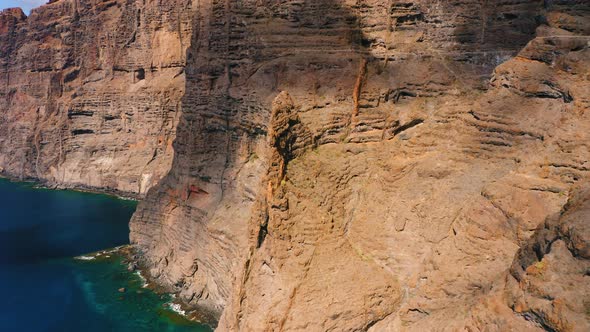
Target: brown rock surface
[[338, 165], [399, 182], [548, 282], [90, 92]]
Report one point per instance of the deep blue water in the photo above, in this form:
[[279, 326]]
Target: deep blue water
[[42, 286]]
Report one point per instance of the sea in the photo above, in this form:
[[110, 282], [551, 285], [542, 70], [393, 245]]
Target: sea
[[51, 281]]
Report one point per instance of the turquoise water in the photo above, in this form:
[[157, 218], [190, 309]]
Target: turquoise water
[[42, 286]]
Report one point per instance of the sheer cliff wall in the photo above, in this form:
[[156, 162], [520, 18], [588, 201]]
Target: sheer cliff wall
[[90, 92], [340, 165], [336, 165]]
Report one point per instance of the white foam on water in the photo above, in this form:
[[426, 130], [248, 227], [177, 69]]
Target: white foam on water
[[85, 258], [144, 283], [105, 253], [127, 199], [110, 251], [177, 309]]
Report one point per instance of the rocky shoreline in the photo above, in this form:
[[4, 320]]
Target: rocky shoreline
[[44, 184], [199, 314], [131, 256], [132, 259]]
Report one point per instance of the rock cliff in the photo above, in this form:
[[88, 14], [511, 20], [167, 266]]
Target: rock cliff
[[90, 92], [337, 165]]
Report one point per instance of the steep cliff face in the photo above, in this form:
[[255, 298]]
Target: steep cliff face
[[338, 165], [392, 180], [90, 91]]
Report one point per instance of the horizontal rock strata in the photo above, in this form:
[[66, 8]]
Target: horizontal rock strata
[[337, 165], [90, 92]]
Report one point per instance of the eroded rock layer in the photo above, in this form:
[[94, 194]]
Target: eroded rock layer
[[90, 91], [415, 146], [354, 165]]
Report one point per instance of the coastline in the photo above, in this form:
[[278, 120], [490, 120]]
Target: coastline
[[130, 256], [44, 184], [132, 260]]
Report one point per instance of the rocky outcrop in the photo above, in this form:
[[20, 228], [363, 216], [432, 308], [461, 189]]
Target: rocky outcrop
[[357, 165], [548, 278], [90, 92]]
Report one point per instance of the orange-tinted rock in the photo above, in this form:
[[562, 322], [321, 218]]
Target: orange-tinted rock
[[91, 92], [9, 18], [337, 165]]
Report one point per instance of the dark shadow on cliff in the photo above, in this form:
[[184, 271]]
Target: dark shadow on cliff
[[229, 51], [239, 43], [490, 32], [498, 27], [241, 56]]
